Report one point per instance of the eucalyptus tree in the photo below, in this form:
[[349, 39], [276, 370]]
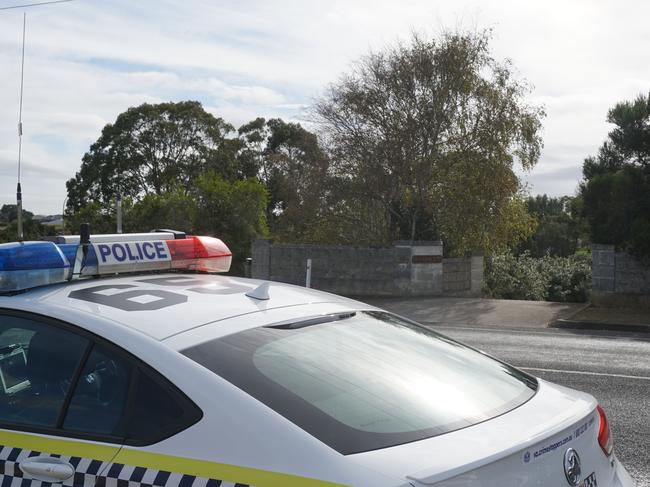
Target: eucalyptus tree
[[153, 149]]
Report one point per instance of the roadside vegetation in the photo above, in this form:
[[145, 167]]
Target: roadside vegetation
[[32, 229], [547, 278], [418, 141], [553, 264], [612, 206]]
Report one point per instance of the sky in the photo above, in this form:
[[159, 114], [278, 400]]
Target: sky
[[86, 61]]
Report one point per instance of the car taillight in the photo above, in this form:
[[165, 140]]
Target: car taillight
[[605, 439]]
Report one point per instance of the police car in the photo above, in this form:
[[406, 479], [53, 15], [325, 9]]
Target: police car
[[126, 361]]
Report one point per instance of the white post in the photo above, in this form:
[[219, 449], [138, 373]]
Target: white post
[[308, 280]]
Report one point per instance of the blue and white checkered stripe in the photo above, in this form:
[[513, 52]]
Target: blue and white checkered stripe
[[86, 469], [94, 473]]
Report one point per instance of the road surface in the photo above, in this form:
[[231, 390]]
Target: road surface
[[613, 367]]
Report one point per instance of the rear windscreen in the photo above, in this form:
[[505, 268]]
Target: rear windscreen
[[366, 380]]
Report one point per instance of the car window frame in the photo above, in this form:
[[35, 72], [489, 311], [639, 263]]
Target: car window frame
[[192, 413]]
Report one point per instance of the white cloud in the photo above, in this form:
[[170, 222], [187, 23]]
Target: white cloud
[[87, 61]]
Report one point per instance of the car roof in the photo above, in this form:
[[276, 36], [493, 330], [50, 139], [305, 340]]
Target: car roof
[[192, 300]]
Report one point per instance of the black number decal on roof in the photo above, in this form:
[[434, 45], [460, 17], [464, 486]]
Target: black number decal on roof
[[134, 300], [222, 290], [175, 281]]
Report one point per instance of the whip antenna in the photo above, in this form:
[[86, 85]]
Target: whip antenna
[[19, 192]]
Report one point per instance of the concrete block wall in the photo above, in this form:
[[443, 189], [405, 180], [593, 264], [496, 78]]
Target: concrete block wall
[[457, 275], [425, 262], [618, 279], [603, 268], [476, 275], [261, 259], [405, 269], [463, 276], [630, 277], [344, 270]]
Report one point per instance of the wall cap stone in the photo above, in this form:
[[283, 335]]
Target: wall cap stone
[[595, 246], [417, 243]]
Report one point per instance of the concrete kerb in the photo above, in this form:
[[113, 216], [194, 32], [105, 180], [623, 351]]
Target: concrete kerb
[[571, 324], [601, 325]]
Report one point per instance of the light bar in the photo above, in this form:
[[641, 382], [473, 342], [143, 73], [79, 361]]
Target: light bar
[[30, 264], [25, 265], [203, 254], [117, 237]]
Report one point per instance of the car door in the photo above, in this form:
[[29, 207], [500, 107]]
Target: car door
[[62, 402], [70, 400]]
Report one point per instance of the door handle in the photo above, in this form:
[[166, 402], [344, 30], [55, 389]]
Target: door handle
[[47, 469]]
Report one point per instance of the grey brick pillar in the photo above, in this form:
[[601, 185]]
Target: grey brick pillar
[[603, 268], [261, 254], [476, 275]]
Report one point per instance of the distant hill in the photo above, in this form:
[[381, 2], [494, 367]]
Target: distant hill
[[50, 220]]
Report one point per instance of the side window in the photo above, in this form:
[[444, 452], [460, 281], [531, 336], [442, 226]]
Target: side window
[[158, 410], [38, 363], [115, 398], [100, 397], [52, 379]]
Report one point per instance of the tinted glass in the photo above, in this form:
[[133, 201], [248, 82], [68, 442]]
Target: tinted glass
[[367, 381], [37, 365], [158, 411], [100, 397]]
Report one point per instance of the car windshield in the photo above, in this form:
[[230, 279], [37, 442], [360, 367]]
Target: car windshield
[[366, 380]]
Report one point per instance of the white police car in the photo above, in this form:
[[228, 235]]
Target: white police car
[[197, 380]]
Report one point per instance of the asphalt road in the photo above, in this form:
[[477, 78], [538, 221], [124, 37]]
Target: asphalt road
[[613, 367]]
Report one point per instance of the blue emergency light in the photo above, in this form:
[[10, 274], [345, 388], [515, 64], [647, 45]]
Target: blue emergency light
[[30, 264], [24, 265]]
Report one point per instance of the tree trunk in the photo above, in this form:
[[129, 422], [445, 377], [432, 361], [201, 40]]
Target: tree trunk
[[414, 220]]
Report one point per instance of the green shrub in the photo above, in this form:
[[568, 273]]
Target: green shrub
[[564, 279]]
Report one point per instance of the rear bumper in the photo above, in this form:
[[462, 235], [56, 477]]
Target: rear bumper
[[621, 477]]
